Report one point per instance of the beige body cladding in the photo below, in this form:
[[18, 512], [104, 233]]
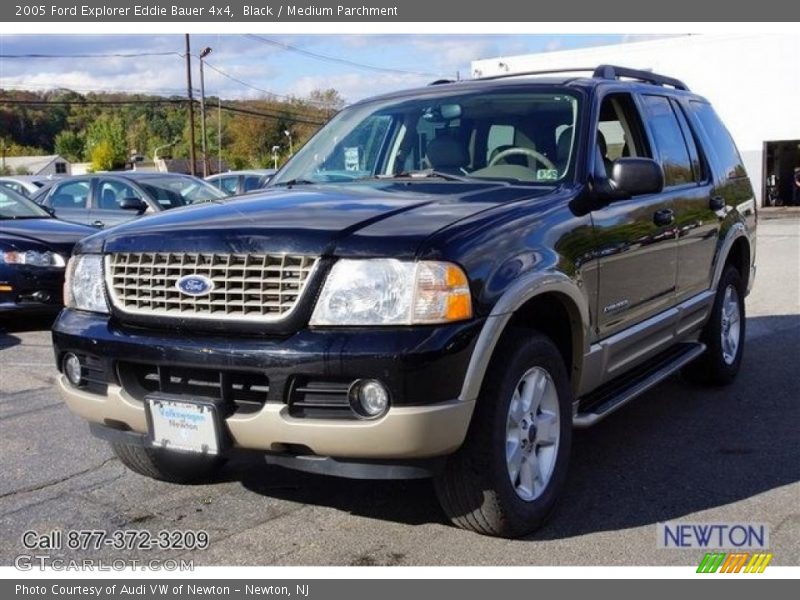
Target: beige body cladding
[[404, 432]]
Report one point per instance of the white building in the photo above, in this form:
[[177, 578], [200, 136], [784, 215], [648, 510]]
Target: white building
[[752, 80], [37, 165]]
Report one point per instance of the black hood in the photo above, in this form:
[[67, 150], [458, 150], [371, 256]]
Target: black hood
[[314, 219], [58, 235]]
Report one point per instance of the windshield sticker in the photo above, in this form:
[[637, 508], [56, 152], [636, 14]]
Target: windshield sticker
[[547, 174], [351, 162]]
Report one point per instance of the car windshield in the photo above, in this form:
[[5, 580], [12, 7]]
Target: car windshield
[[16, 206], [171, 191], [512, 135]]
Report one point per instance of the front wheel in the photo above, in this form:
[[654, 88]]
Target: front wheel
[[723, 334], [506, 478]]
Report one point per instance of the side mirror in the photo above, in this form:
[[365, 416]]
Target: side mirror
[[133, 204], [637, 176]]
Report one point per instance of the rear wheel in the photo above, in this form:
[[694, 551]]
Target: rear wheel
[[723, 335], [506, 478], [167, 466]]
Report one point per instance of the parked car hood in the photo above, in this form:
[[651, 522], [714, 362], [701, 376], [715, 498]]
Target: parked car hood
[[59, 235], [313, 219]]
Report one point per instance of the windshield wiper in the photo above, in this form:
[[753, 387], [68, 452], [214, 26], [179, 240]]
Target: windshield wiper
[[426, 174], [294, 182]]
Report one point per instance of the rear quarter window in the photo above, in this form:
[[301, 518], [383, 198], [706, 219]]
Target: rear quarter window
[[723, 149]]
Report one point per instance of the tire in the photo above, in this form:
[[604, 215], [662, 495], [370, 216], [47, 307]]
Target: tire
[[475, 488], [720, 363], [167, 466]]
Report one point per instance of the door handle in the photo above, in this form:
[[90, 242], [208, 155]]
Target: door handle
[[663, 217], [99, 224], [716, 203]]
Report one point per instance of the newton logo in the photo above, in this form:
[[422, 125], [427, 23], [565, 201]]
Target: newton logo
[[734, 562]]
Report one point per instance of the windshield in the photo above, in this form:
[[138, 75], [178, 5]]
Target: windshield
[[171, 191], [15, 206], [511, 135]]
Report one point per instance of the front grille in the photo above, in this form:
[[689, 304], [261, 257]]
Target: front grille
[[244, 391], [263, 287], [320, 399]]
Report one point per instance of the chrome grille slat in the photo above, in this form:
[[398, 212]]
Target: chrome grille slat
[[263, 287]]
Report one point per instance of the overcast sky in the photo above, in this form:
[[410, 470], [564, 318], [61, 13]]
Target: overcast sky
[[406, 60]]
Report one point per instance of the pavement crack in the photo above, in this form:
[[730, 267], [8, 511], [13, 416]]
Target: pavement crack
[[22, 413], [47, 484], [6, 396]]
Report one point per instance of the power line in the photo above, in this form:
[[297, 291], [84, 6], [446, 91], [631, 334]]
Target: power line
[[173, 101], [336, 59], [268, 92], [113, 55], [111, 90]]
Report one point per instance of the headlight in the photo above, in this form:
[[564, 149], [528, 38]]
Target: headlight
[[32, 258], [83, 287], [393, 292]]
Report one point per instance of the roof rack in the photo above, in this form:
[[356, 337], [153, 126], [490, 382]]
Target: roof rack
[[545, 72], [614, 72], [610, 72]]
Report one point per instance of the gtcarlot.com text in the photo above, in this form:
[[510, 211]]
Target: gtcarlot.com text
[[41, 562]]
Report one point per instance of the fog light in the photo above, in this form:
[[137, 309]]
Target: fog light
[[369, 398], [72, 369]]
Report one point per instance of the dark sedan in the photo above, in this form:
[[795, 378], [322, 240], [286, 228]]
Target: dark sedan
[[107, 199], [34, 248]]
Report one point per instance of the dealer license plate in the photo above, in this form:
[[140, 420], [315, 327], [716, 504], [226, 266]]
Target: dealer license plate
[[187, 426]]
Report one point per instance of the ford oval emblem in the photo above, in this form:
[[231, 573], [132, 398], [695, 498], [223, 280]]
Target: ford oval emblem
[[195, 285]]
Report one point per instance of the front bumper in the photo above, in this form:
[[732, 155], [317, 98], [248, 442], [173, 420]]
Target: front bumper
[[30, 289], [405, 432], [422, 367]]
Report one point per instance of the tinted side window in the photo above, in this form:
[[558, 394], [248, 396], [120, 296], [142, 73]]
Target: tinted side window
[[722, 142], [227, 184], [111, 193], [252, 182], [669, 141], [691, 143], [70, 195]]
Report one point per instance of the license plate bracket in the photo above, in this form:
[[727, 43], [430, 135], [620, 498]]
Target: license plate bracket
[[184, 423]]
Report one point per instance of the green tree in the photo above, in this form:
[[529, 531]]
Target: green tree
[[108, 130], [70, 145]]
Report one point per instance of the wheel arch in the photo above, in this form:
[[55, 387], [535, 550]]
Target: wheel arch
[[552, 304], [735, 249]]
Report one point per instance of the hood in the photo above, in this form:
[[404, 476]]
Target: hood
[[355, 219], [58, 235]]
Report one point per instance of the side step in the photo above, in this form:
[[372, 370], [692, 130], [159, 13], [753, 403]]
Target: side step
[[616, 394]]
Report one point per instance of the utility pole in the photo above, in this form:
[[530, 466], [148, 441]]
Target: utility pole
[[191, 107], [204, 141]]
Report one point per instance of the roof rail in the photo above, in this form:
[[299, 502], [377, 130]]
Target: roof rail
[[614, 72], [601, 72], [545, 72]]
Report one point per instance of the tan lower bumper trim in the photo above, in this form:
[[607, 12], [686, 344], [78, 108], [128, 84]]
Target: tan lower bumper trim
[[405, 432]]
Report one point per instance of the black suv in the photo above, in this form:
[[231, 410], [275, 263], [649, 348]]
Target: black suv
[[443, 282]]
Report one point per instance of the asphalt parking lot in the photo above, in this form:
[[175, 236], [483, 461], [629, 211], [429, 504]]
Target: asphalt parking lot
[[679, 453]]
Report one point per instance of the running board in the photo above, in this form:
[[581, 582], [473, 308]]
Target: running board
[[616, 394]]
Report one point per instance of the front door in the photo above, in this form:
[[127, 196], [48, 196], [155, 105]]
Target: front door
[[635, 243]]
